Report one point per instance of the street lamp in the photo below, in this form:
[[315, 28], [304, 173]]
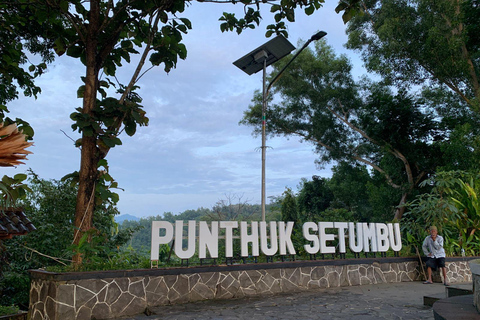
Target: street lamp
[[259, 59]]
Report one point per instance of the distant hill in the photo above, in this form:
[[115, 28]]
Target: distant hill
[[123, 217]]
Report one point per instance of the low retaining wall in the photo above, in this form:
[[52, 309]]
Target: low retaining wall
[[110, 294]]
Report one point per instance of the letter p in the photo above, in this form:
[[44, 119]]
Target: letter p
[[157, 240]]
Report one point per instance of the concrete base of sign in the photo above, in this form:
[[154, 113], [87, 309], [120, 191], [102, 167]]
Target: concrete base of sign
[[111, 294]]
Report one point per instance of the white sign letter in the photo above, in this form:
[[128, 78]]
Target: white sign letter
[[285, 237], [246, 238], [228, 226], [369, 234], [264, 238], [341, 226], [208, 239], [395, 241], [324, 237], [351, 237], [315, 245], [157, 240], [382, 237], [190, 251]]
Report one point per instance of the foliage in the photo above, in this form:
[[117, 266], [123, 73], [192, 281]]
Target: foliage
[[23, 34], [8, 310], [50, 205], [12, 189], [415, 42], [232, 208], [349, 185], [284, 10], [20, 34], [313, 198], [289, 207], [107, 259], [359, 122], [15, 289], [13, 144], [452, 206]]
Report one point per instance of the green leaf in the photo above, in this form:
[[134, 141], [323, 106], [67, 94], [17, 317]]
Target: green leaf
[[104, 84], [275, 8], [102, 163], [114, 197], [75, 51], [130, 128], [74, 175], [20, 177], [341, 6], [309, 10], [63, 5], [186, 22], [7, 180], [156, 58]]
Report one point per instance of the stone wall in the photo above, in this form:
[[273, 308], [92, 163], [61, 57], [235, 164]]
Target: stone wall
[[110, 294]]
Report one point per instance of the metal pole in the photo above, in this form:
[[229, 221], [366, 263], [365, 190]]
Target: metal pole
[[266, 90], [264, 119]]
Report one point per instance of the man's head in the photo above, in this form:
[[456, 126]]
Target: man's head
[[433, 231]]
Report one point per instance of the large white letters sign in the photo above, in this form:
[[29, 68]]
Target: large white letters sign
[[273, 237]]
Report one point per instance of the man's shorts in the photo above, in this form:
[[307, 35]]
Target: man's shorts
[[435, 263]]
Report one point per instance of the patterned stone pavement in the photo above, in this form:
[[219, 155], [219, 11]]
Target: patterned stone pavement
[[380, 301]]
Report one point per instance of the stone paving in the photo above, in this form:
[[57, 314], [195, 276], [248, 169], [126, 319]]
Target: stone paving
[[380, 301]]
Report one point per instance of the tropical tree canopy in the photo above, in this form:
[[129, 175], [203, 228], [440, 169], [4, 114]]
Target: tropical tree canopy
[[398, 134], [422, 42]]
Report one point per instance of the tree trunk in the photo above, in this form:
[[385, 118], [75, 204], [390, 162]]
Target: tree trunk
[[401, 207], [88, 174]]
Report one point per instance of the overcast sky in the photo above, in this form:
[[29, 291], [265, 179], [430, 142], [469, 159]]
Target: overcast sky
[[194, 152]]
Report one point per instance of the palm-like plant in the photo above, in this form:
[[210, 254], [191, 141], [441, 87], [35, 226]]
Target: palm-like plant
[[467, 202], [12, 146]]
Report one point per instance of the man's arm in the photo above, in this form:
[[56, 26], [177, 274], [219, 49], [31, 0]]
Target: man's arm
[[425, 246], [438, 243]]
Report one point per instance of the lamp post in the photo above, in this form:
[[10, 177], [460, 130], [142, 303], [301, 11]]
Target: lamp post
[[260, 59]]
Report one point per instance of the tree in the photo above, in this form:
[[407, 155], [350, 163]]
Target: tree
[[289, 206], [349, 187], [28, 33], [418, 42], [233, 207], [392, 131], [314, 197], [434, 46], [103, 34]]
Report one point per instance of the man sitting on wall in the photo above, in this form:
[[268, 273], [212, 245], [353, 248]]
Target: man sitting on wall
[[433, 249]]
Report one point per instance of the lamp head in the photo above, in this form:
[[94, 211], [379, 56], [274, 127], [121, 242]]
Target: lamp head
[[319, 35]]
